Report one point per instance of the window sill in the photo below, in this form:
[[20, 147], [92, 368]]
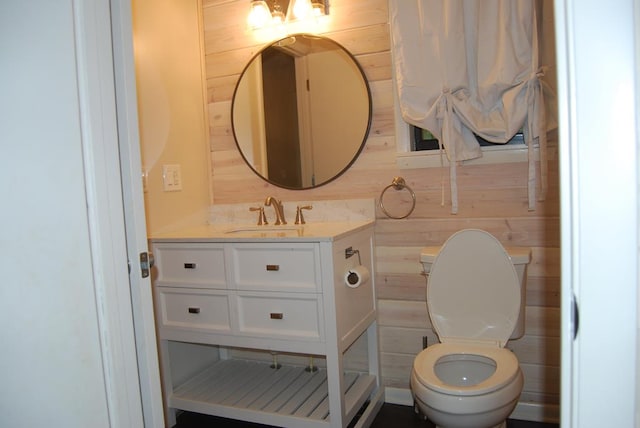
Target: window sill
[[490, 155]]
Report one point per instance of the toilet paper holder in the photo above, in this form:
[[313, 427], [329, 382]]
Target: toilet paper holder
[[350, 252], [358, 275]]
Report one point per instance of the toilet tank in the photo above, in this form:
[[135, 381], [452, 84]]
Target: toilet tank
[[520, 257]]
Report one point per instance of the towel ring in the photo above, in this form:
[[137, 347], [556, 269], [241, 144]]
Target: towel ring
[[398, 183]]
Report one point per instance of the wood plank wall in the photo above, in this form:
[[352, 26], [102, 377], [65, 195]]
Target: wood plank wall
[[492, 197]]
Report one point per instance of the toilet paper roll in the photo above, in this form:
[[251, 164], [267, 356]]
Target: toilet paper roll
[[357, 276]]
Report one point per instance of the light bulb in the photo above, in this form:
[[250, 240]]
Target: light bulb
[[259, 14], [318, 9], [277, 15], [302, 9]]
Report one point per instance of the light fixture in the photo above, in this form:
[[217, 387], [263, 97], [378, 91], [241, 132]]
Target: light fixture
[[269, 13]]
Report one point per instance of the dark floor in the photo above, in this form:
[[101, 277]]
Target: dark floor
[[391, 415]]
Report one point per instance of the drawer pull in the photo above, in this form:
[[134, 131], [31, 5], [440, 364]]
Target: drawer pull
[[273, 267], [189, 265], [194, 310], [277, 315]]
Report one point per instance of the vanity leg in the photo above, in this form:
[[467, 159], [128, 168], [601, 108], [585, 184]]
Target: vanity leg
[[167, 383], [224, 353], [372, 344], [335, 384]]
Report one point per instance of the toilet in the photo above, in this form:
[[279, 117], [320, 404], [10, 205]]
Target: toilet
[[475, 297]]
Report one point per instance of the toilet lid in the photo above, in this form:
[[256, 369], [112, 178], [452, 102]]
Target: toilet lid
[[473, 291]]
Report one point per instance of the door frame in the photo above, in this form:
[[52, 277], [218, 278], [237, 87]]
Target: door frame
[[111, 152], [105, 207], [598, 149]]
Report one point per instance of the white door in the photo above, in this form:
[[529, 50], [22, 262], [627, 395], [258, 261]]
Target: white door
[[599, 205], [136, 231]]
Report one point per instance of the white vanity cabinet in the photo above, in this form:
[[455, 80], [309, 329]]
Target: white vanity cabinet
[[217, 296]]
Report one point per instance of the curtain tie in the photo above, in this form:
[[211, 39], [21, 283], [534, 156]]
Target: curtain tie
[[537, 75], [441, 106], [443, 114]]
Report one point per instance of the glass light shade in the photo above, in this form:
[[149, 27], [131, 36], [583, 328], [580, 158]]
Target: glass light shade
[[318, 8], [277, 16], [301, 9], [259, 14]]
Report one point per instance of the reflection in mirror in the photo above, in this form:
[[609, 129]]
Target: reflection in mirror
[[301, 111]]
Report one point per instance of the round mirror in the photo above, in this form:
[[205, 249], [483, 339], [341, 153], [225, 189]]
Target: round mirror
[[301, 111]]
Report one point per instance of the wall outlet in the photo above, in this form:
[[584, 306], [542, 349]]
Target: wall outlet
[[171, 178]]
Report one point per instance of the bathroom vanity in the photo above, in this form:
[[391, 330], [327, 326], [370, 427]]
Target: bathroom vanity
[[280, 294]]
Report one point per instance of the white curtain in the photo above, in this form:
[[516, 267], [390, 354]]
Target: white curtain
[[470, 66]]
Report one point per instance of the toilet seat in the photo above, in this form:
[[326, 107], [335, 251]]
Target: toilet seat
[[424, 365], [473, 290]]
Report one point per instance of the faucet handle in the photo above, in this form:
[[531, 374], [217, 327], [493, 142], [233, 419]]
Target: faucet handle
[[299, 216], [262, 219]]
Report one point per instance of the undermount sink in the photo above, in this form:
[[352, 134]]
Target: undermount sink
[[266, 231]]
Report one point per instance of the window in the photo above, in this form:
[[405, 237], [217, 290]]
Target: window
[[422, 139], [418, 148]]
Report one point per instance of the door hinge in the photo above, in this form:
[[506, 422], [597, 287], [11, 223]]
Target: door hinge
[[146, 263]]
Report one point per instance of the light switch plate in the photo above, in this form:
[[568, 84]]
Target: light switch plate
[[171, 178]]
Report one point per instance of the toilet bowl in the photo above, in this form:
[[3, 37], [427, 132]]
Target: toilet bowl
[[474, 299]]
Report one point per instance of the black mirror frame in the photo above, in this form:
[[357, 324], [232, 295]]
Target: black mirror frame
[[366, 132]]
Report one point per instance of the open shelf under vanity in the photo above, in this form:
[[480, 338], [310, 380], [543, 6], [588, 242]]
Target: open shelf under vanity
[[256, 392]]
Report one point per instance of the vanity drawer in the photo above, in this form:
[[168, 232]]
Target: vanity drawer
[[276, 267], [293, 316], [190, 265], [194, 309]]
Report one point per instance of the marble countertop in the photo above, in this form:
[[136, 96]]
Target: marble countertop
[[232, 232]]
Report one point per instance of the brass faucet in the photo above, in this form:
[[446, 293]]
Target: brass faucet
[[277, 207], [262, 219], [299, 216]]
